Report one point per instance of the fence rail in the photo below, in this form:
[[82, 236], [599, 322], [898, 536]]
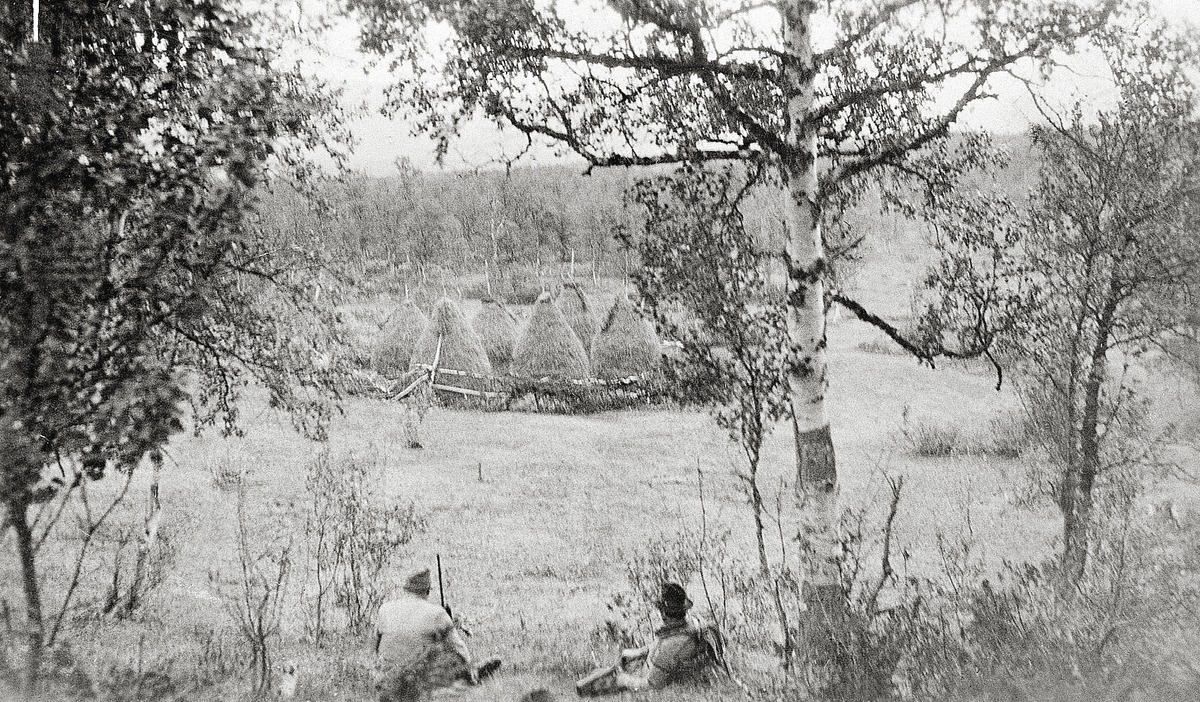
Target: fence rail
[[513, 393]]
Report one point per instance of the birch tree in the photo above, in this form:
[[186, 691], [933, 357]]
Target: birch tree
[[831, 96], [1102, 261], [132, 278]]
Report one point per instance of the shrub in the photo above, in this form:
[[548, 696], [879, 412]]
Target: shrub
[[929, 439], [255, 597], [228, 472], [353, 536], [1009, 436], [138, 575], [882, 346], [217, 657], [728, 590]]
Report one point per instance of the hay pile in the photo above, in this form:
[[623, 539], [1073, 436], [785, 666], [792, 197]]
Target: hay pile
[[548, 347], [626, 344], [393, 345], [579, 312], [461, 348], [497, 329]]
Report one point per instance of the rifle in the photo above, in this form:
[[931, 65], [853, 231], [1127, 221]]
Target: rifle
[[441, 589]]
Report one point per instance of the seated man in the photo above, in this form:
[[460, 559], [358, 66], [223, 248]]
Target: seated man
[[418, 647], [681, 649]]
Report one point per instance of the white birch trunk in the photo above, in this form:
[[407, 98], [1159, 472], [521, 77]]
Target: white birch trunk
[[816, 472]]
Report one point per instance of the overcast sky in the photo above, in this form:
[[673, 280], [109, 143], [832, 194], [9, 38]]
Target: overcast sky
[[381, 141]]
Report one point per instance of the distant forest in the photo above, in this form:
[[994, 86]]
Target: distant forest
[[507, 234]]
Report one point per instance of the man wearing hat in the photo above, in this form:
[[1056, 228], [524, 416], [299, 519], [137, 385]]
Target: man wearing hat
[[677, 652], [417, 645]]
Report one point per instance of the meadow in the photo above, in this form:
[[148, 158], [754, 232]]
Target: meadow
[[536, 517]]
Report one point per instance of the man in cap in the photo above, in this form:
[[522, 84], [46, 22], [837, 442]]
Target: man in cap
[[418, 647], [681, 649]]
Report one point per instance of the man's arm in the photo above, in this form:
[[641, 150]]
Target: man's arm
[[456, 641], [449, 634]]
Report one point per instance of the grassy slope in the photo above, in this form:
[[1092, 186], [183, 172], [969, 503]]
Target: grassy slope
[[533, 552]]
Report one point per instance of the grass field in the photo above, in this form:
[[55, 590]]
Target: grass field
[[533, 552]]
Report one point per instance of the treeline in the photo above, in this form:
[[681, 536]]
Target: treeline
[[508, 232]]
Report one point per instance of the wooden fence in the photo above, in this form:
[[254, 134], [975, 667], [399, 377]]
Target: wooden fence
[[510, 393], [504, 393]]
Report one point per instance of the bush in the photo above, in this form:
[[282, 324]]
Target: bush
[[1025, 633], [1008, 438], [882, 346], [728, 589], [228, 473], [965, 633], [254, 599], [929, 439], [353, 536]]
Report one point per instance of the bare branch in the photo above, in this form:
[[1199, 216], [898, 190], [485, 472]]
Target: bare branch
[[891, 154], [885, 13], [886, 572]]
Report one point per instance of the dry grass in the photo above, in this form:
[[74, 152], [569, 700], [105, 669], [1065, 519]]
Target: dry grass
[[393, 345], [548, 347], [497, 329], [450, 340], [580, 312], [626, 344]]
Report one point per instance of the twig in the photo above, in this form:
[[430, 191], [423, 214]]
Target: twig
[[704, 542], [89, 532], [896, 484]]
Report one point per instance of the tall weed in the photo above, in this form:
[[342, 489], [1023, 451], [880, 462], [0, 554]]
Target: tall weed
[[353, 534]]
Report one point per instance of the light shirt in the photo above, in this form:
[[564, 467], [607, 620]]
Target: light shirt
[[407, 628]]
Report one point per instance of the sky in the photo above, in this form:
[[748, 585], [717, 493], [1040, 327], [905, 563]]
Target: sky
[[383, 140]]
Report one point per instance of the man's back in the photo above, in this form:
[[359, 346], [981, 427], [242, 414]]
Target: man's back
[[407, 627], [675, 652]]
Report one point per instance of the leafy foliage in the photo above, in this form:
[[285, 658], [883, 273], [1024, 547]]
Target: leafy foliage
[[1101, 262], [132, 277]]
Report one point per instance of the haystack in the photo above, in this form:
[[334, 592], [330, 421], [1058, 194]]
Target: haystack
[[626, 344], [393, 344], [497, 329], [461, 348], [548, 347], [579, 312]]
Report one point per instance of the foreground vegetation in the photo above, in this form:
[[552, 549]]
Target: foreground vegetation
[[145, 272], [550, 527]]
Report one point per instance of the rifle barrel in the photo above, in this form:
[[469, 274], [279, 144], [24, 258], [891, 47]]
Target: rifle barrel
[[441, 590]]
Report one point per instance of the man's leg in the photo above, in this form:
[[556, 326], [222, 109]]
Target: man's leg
[[397, 686]]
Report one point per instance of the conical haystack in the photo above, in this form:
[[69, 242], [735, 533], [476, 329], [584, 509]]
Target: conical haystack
[[461, 349], [392, 347], [548, 346], [626, 344], [578, 310], [497, 329]]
